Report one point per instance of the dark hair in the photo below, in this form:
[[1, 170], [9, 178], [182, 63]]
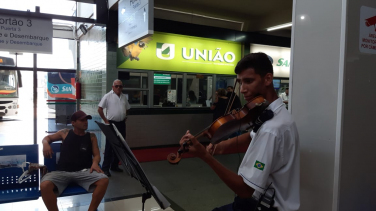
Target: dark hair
[[192, 96], [221, 92], [258, 61], [230, 87]]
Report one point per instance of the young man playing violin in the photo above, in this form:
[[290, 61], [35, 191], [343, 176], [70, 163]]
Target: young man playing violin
[[268, 177]]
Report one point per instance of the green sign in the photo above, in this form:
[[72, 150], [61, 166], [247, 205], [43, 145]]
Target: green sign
[[179, 53], [162, 79]]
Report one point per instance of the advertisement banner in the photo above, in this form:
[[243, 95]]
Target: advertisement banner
[[180, 53], [61, 85]]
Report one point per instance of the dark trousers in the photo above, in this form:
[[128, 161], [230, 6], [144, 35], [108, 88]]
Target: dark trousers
[[243, 205], [110, 158]]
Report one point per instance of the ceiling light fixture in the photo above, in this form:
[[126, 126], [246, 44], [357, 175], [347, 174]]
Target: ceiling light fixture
[[279, 27], [204, 16], [302, 17]]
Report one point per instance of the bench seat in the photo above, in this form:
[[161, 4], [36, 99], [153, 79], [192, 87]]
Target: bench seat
[[12, 166]]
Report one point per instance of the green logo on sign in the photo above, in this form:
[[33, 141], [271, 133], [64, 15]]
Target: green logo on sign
[[165, 51], [259, 165], [281, 62]]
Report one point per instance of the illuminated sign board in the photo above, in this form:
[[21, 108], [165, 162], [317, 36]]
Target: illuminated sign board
[[280, 58], [180, 53]]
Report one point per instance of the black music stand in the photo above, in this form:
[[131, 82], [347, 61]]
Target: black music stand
[[131, 165]]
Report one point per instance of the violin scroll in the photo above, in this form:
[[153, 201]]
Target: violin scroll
[[175, 159]]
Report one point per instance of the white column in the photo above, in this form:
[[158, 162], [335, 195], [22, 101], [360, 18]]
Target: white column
[[332, 89]]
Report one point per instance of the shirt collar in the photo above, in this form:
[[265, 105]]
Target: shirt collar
[[112, 92], [275, 104]]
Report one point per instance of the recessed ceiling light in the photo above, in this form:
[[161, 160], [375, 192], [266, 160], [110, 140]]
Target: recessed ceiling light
[[279, 26], [302, 17]]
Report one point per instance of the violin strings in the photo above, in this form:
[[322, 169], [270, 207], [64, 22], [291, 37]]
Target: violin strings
[[232, 98]]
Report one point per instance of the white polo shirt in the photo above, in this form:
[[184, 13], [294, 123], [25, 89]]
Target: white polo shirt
[[273, 157], [116, 107]]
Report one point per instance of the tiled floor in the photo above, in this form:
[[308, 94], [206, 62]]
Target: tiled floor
[[65, 204], [189, 186]]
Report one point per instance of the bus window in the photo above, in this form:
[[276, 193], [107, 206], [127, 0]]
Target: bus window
[[8, 84]]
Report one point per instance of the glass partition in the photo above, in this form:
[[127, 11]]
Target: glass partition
[[168, 90], [16, 111], [64, 55], [135, 87], [199, 90]]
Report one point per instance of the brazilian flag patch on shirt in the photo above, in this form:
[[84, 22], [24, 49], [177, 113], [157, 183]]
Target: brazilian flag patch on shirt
[[259, 165]]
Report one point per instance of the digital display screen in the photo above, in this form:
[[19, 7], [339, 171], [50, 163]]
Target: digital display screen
[[277, 83]]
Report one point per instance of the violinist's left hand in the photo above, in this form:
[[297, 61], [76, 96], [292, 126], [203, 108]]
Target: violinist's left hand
[[194, 146]]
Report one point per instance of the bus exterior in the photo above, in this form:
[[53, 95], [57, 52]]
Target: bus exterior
[[8, 88]]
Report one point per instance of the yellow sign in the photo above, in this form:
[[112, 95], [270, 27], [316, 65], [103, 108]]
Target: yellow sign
[[180, 53]]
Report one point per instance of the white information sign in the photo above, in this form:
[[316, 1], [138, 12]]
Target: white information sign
[[135, 20], [171, 95], [280, 57], [22, 34], [367, 35]]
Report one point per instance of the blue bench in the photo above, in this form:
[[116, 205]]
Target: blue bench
[[51, 164], [12, 159]]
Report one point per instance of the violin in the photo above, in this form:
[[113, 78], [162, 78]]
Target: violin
[[226, 125]]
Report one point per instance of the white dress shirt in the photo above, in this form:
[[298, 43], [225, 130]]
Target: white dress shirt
[[116, 107], [273, 157], [284, 96]]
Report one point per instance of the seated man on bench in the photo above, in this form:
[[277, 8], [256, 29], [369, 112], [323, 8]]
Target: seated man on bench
[[78, 163]]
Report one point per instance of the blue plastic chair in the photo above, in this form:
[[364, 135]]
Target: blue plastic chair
[[51, 163]]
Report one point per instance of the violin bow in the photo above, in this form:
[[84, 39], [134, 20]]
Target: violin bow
[[232, 98]]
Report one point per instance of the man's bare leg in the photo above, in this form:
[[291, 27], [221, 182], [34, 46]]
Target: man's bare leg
[[48, 195], [100, 190]]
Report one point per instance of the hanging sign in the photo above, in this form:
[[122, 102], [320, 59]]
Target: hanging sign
[[24, 34], [135, 20]]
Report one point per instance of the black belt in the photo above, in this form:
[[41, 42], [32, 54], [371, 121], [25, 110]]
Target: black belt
[[117, 121]]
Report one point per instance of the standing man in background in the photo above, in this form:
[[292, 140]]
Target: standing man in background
[[285, 97], [117, 107], [236, 104]]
